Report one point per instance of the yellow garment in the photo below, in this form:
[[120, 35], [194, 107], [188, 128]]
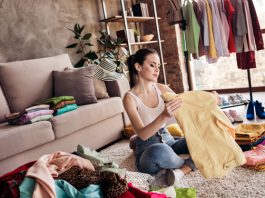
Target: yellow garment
[[250, 130], [212, 50], [175, 130], [207, 131]]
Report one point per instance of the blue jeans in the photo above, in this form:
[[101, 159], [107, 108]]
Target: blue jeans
[[161, 152]]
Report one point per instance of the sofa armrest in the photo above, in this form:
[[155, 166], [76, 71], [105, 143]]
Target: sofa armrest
[[118, 88]]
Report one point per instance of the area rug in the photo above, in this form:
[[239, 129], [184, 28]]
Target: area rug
[[240, 182]]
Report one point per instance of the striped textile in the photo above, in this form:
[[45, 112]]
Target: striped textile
[[106, 71]]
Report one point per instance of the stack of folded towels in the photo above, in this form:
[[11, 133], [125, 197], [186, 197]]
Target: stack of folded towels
[[45, 110], [30, 115], [61, 104]]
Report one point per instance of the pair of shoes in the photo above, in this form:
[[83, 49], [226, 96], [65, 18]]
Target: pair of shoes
[[223, 102], [242, 99], [174, 176], [229, 116], [233, 116], [233, 99], [237, 118], [259, 110]]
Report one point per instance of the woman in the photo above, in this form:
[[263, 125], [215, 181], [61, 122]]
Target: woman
[[156, 149]]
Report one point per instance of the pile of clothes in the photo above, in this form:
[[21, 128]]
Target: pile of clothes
[[44, 110], [61, 104], [249, 134], [63, 174], [30, 115], [256, 158]]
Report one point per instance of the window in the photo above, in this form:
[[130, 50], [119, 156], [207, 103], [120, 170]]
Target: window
[[224, 74]]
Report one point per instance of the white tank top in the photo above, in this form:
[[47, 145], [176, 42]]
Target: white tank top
[[146, 113]]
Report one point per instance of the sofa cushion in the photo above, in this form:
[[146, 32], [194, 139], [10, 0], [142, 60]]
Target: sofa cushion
[[16, 139], [86, 115], [76, 82], [27, 82], [3, 106], [100, 88]]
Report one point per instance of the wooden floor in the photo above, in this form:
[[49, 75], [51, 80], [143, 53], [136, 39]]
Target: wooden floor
[[242, 110]]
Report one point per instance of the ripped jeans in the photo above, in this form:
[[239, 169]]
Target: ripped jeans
[[161, 152]]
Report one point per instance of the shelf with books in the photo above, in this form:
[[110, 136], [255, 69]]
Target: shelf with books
[[129, 19], [132, 16]]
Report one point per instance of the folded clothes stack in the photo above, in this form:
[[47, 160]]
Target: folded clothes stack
[[61, 104], [248, 134], [45, 110], [30, 115]]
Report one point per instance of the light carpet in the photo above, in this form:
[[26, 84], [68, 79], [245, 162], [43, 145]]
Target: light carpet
[[240, 182]]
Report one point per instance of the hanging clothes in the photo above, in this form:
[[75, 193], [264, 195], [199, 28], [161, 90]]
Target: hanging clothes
[[229, 9], [212, 50], [199, 15], [256, 26], [193, 29]]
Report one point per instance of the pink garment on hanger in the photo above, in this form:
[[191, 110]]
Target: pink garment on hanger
[[255, 156]]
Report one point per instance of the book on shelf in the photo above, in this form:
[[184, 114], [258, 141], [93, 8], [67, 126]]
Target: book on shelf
[[140, 9], [122, 35]]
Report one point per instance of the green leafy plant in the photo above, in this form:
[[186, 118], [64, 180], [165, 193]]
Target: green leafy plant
[[111, 48], [81, 45]]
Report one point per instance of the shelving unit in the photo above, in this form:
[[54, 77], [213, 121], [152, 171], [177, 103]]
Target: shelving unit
[[133, 19]]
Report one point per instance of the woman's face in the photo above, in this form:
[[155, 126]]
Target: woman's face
[[149, 70]]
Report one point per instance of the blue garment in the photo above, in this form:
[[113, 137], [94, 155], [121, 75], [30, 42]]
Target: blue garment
[[63, 189], [161, 152], [67, 108], [26, 188]]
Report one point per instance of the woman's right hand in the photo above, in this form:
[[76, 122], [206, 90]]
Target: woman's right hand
[[172, 106]]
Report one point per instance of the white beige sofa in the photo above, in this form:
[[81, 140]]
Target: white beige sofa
[[23, 83]]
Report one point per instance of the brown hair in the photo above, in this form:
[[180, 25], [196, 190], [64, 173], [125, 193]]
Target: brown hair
[[138, 57]]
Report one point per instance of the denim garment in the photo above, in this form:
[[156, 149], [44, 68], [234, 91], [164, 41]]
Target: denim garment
[[160, 152]]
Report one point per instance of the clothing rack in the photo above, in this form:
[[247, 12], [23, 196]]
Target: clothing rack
[[183, 25], [250, 86]]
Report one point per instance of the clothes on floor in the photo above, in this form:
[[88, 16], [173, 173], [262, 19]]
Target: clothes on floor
[[9, 183], [255, 156], [250, 134], [51, 165], [208, 132]]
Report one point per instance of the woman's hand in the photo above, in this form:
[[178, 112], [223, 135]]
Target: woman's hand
[[172, 106]]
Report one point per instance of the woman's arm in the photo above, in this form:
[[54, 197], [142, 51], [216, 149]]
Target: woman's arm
[[145, 132]]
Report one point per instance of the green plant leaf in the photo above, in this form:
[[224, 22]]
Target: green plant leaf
[[77, 35], [71, 45], [77, 28], [81, 29], [78, 51], [80, 63], [89, 44], [87, 36]]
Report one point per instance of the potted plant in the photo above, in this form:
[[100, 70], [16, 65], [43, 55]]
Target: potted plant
[[81, 44], [111, 52]]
